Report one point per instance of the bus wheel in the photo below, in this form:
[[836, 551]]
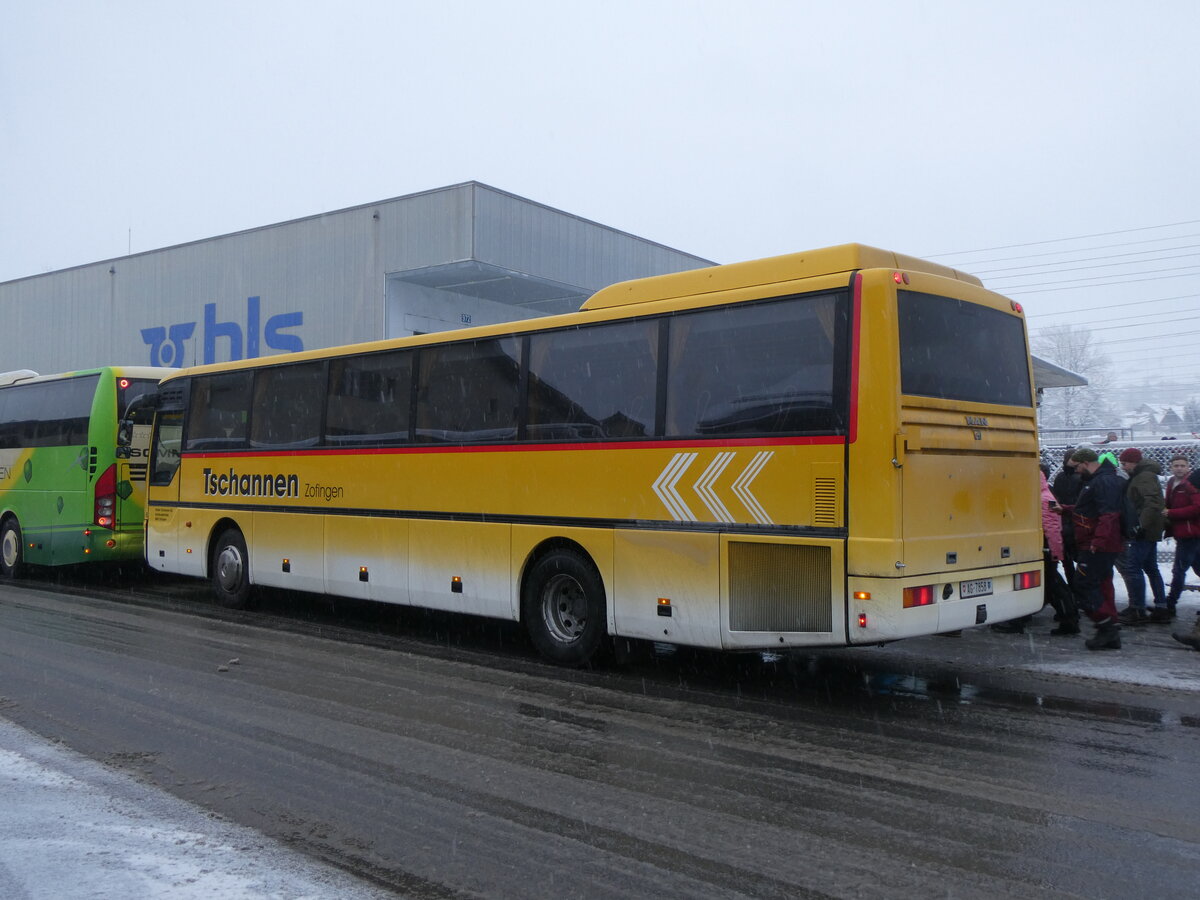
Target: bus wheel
[[562, 603], [231, 569], [10, 548]]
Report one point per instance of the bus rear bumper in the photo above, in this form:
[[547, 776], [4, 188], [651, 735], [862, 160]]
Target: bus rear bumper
[[940, 603]]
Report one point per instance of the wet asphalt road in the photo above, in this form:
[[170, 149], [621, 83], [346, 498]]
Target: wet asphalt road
[[438, 756]]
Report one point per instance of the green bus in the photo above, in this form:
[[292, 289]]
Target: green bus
[[66, 496]]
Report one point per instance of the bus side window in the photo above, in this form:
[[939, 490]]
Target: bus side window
[[468, 391], [287, 406], [218, 419], [369, 399], [755, 369], [593, 382]]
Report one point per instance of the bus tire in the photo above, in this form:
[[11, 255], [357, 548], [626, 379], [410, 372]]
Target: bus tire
[[10, 548], [231, 569], [562, 604]]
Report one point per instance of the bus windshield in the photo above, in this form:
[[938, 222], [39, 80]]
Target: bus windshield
[[957, 350]]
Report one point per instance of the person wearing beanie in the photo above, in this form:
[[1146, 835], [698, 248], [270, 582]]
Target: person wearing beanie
[[1183, 521], [1097, 521], [1139, 562]]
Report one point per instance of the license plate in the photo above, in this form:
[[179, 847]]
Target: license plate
[[980, 587]]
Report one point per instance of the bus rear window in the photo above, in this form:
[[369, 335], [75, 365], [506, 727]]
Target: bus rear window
[[955, 350]]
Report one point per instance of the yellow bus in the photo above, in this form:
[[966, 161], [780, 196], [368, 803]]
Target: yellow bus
[[825, 448]]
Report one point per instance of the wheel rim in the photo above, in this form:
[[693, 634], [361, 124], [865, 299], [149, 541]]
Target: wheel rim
[[230, 568], [564, 608], [9, 551]]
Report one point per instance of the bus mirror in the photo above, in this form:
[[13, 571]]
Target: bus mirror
[[124, 438]]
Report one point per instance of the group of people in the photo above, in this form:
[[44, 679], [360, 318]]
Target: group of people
[[1104, 512]]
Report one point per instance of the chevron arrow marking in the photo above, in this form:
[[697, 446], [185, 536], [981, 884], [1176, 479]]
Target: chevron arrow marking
[[664, 486], [704, 489], [741, 487]]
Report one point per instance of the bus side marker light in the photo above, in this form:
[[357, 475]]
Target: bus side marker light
[[363, 574], [862, 620], [862, 595], [287, 565], [918, 596], [1023, 581], [664, 607], [456, 584]]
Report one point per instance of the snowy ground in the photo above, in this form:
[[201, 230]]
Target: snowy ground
[[72, 828]]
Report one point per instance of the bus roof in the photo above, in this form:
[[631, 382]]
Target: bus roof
[[790, 267]]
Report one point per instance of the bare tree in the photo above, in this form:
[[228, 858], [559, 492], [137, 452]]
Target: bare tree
[[1073, 348]]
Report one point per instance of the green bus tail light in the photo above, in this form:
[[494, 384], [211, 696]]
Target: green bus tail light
[[106, 498]]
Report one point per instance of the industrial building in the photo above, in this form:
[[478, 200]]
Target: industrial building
[[462, 255]]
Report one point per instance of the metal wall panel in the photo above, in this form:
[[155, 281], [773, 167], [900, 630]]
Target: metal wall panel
[[318, 281]]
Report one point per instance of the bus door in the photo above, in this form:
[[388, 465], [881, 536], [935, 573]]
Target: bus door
[[163, 514], [132, 472]]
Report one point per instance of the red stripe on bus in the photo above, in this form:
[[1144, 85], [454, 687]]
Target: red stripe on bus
[[524, 448]]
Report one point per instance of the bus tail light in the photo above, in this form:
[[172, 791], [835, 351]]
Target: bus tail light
[[1023, 581], [106, 498], [918, 596]]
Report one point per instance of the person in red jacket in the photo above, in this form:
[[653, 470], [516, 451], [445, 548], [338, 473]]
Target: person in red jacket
[[1183, 524]]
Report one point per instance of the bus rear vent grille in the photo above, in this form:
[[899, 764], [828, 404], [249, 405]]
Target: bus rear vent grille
[[779, 587], [171, 397], [825, 503], [93, 457]]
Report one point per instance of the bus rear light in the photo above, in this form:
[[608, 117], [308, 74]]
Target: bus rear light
[[918, 596], [1017, 307], [110, 543], [1023, 581], [862, 620], [106, 498], [900, 277]]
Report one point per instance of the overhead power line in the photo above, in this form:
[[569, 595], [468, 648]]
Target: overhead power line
[[1174, 237], [1080, 237], [1076, 284], [1129, 322], [1066, 262], [1092, 308]]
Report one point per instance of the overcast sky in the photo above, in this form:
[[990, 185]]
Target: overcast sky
[[731, 131]]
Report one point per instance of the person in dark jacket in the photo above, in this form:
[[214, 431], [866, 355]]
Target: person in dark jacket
[[1097, 520], [1183, 520], [1140, 560], [1066, 487]]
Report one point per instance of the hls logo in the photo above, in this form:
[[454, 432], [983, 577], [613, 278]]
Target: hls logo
[[166, 344]]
